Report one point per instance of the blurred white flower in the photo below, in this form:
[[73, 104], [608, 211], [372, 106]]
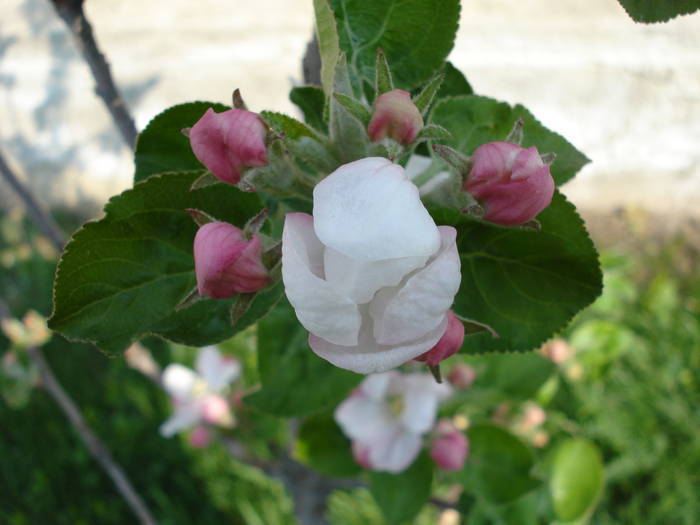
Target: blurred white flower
[[199, 397], [387, 416]]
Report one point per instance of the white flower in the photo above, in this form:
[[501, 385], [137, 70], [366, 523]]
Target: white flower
[[197, 396], [387, 415], [370, 275]]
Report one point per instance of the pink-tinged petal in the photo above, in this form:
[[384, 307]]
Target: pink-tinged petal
[[178, 382], [360, 453], [319, 308], [228, 142], [395, 452], [448, 345], [421, 399], [395, 116], [368, 210], [368, 356], [360, 280], [185, 416], [227, 264], [215, 411], [365, 420], [216, 370], [407, 312]]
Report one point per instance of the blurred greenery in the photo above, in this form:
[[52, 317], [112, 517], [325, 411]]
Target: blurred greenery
[[630, 387]]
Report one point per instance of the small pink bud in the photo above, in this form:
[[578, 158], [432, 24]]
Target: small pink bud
[[225, 263], [461, 376], [449, 343], [395, 116], [361, 454], [450, 448], [558, 350], [200, 437], [512, 183], [227, 143], [215, 410]]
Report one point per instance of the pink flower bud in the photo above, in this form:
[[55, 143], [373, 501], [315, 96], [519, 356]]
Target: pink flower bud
[[225, 263], [227, 143], [200, 437], [450, 448], [449, 343], [512, 183], [461, 376], [395, 116]]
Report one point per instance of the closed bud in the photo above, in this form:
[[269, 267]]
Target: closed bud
[[200, 437], [449, 343], [461, 376], [512, 183], [395, 116], [450, 447], [227, 143], [226, 263]]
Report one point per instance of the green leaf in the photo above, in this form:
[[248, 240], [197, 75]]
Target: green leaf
[[288, 125], [310, 100], [401, 496], [455, 83], [415, 35], [347, 134], [515, 376], [499, 464], [295, 381], [355, 108], [524, 284], [162, 147], [328, 44], [121, 277], [475, 120], [649, 11], [322, 445], [576, 479]]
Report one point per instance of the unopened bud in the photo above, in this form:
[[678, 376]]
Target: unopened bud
[[395, 116], [512, 183], [461, 376], [450, 447], [200, 437], [449, 343]]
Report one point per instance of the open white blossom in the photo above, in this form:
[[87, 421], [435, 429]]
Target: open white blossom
[[387, 415], [199, 397], [370, 275]]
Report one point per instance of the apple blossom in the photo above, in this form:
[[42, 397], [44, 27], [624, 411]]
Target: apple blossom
[[370, 275], [228, 142], [450, 447], [395, 116], [512, 183], [387, 416], [198, 397], [449, 343], [226, 263]]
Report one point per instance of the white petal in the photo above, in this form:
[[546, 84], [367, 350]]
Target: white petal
[[375, 386], [185, 416], [409, 311], [217, 371], [321, 309], [422, 396], [364, 419], [395, 453], [369, 210], [178, 381], [368, 356], [359, 280]]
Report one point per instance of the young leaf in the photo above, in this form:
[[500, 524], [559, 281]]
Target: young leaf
[[355, 108], [310, 100], [122, 276], [649, 11], [423, 99], [401, 496], [347, 134], [161, 147], [328, 44], [525, 284], [415, 35], [288, 125], [475, 120], [382, 74]]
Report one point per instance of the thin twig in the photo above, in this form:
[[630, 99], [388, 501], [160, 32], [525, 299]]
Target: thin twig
[[42, 219], [72, 13], [92, 442]]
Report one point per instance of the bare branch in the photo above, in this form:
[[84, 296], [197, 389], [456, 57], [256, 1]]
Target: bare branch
[[72, 13]]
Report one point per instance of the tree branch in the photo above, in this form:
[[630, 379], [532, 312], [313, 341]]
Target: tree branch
[[42, 219], [72, 13]]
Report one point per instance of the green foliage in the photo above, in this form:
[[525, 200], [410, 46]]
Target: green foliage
[[499, 465], [401, 496], [415, 35], [474, 120], [576, 479], [295, 381], [310, 100], [285, 124], [328, 44], [322, 445], [161, 146], [525, 284], [122, 276], [514, 376], [654, 11], [358, 507]]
